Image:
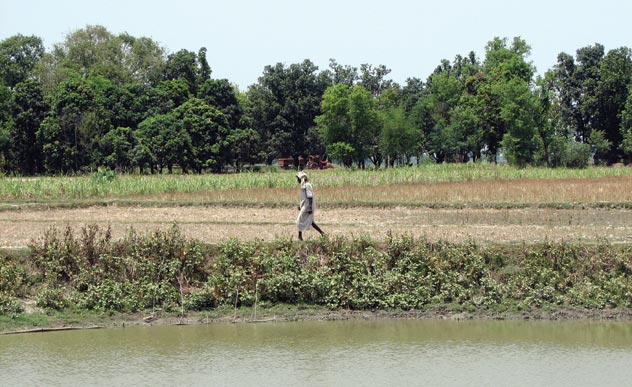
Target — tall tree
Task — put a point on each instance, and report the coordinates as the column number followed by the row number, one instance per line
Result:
column 207, row 129
column 220, row 94
column 117, row 147
column 576, row 86
column 79, row 118
column 182, row 65
column 28, row 110
column 505, row 90
column 5, row 123
column 626, row 128
column 342, row 74
column 374, row 78
column 614, row 81
column 163, row 141
column 18, row 57
column 283, row 106
column 94, row 51
column 399, row 139
column 350, row 123
column 204, row 70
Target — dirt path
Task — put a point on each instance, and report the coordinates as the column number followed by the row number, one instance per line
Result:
column 215, row 224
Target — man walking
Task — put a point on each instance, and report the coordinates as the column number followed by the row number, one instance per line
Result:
column 306, row 207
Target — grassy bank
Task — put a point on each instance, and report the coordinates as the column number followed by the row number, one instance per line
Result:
column 164, row 274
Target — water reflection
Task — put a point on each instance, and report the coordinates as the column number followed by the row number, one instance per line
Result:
column 354, row 353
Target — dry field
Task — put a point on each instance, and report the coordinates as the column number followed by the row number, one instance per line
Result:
column 493, row 192
column 493, row 211
column 214, row 224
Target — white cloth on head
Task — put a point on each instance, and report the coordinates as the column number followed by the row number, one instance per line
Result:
column 305, row 218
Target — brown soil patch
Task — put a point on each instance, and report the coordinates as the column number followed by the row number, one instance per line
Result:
column 216, row 224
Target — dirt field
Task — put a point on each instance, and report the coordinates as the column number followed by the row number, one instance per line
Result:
column 215, row 224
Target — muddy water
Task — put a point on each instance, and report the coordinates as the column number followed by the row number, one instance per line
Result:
column 349, row 353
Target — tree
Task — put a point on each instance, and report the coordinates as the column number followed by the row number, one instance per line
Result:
column 204, row 70
column 600, row 145
column 576, row 86
column 614, row 80
column 433, row 113
column 399, row 139
column 182, row 65
column 334, row 123
column 168, row 95
column 342, row 74
column 518, row 112
column 626, row 127
column 220, row 94
column 373, row 78
column 283, row 105
column 18, row 57
column 5, row 123
column 593, row 89
column 365, row 126
column 28, row 110
column 349, row 116
column 546, row 118
column 79, row 117
column 117, row 146
column 162, row 141
column 143, row 59
column 92, row 50
column 207, row 129
column 245, row 147
column 342, row 152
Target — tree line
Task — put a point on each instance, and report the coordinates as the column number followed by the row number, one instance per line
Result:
column 103, row 100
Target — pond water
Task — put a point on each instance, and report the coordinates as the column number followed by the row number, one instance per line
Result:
column 317, row 353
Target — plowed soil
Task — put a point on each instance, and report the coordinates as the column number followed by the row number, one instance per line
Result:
column 211, row 224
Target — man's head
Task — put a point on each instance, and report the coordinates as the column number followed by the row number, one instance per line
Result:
column 301, row 176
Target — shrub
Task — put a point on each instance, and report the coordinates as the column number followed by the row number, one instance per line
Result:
column 52, row 298
column 9, row 304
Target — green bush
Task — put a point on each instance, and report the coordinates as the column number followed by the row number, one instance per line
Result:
column 53, row 298
column 13, row 277
column 164, row 270
column 9, row 305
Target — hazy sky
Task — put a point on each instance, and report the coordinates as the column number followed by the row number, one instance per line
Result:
column 409, row 37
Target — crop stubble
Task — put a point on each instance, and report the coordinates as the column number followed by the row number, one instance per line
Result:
column 213, row 224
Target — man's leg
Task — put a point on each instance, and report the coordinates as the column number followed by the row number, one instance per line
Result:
column 317, row 228
column 300, row 235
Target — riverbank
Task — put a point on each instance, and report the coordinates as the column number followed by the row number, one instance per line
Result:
column 38, row 322
column 88, row 278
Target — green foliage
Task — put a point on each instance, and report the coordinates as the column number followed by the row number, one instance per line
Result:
column 104, row 176
column 600, row 144
column 53, row 298
column 94, row 272
column 14, row 283
column 9, row 305
column 14, row 278
column 342, row 152
column 101, row 99
column 18, row 57
column 349, row 116
column 164, row 270
column 283, row 106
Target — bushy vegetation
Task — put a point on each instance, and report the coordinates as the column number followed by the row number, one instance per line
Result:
column 162, row 270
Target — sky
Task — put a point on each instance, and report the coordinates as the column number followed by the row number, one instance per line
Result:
column 409, row 37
